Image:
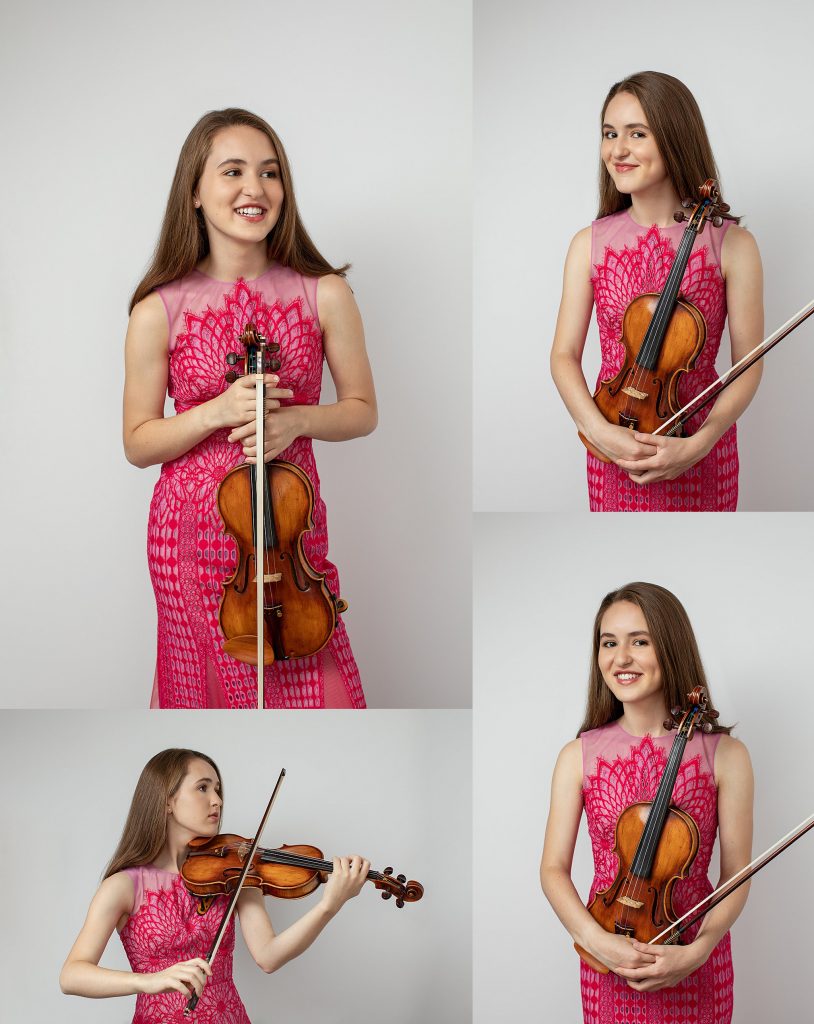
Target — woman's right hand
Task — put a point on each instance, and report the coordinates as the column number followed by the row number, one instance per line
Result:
column 187, row 977
column 619, row 443
column 236, row 406
column 616, row 951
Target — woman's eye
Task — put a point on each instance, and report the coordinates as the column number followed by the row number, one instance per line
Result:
column 609, row 643
column 638, row 135
column 270, row 174
column 231, row 172
column 610, row 135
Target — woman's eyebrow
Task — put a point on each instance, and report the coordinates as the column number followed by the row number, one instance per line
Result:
column 237, row 160
column 636, row 124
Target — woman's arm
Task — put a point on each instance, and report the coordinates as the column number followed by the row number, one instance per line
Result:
column 733, row 774
column 743, row 276
column 81, row 974
column 271, row 951
column 149, row 438
column 566, row 358
column 564, row 815
column 354, row 412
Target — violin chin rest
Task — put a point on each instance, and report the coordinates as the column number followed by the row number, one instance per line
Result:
column 244, row 648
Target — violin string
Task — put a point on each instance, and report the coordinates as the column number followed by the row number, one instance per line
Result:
column 269, row 507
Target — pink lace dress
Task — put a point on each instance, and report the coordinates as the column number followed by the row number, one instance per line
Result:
column 630, row 260
column 618, row 770
column 164, row 928
column 188, row 552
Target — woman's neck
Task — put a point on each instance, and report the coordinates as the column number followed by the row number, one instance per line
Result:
column 655, row 205
column 227, row 260
column 641, row 718
column 173, row 854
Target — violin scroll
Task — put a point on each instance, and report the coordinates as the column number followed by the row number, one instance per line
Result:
column 257, row 352
column 404, row 891
column 711, row 207
column 697, row 714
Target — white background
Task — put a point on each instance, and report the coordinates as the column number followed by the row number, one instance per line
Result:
column 373, row 103
column 542, row 71
column 745, row 581
column 395, row 787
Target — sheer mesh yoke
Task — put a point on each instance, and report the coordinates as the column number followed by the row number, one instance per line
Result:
column 188, row 552
column 629, row 260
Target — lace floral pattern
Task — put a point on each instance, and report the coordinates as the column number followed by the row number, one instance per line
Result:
column 166, row 929
column 188, row 552
column 621, row 770
column 638, row 262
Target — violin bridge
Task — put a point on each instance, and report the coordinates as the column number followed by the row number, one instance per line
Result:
column 628, row 901
column 271, row 577
column 633, row 393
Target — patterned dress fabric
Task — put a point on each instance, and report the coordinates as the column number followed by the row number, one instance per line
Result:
column 165, row 929
column 619, row 770
column 629, row 260
column 188, row 552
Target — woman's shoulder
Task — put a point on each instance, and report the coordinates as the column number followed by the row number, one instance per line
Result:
column 117, row 891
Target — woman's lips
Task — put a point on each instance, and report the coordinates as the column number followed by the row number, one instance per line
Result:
column 626, row 678
column 624, row 168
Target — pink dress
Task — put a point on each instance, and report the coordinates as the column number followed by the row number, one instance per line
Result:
column 188, row 552
column 619, row 770
column 628, row 261
column 165, row 928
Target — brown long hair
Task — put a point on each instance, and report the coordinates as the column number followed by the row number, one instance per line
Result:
column 183, row 241
column 679, row 132
column 145, row 830
column 673, row 641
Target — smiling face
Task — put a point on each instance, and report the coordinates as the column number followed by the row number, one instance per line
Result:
column 196, row 805
column 627, row 657
column 240, row 191
column 629, row 150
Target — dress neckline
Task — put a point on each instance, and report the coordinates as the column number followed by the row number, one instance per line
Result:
column 617, row 722
column 247, row 280
column 648, row 227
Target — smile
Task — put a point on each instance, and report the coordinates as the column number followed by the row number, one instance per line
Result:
column 251, row 212
column 627, row 677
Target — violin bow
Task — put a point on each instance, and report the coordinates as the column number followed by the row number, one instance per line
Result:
column 192, row 1002
column 260, row 514
column 710, row 393
column 673, row 932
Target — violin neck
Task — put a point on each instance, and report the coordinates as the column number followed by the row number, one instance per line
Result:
column 651, row 346
column 269, row 532
column 646, row 850
column 311, row 863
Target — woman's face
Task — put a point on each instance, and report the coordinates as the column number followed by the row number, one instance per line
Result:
column 240, row 191
column 196, row 805
column 627, row 657
column 629, row 150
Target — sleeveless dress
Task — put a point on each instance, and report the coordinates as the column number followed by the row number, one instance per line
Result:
column 630, row 260
column 188, row 552
column 165, row 928
column 618, row 770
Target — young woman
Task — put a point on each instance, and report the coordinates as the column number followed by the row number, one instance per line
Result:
column 179, row 797
column 655, row 153
column 233, row 251
column 645, row 661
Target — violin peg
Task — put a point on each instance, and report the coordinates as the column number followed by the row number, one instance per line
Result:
column 401, row 878
column 687, row 203
column 386, row 895
column 679, row 216
column 232, row 358
column 717, row 221
column 274, row 365
column 399, row 904
column 669, row 723
column 273, row 346
column 231, row 376
column 707, row 727
column 387, row 871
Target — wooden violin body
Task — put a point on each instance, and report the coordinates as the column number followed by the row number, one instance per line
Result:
column 213, row 868
column 299, row 609
column 643, row 397
column 642, row 907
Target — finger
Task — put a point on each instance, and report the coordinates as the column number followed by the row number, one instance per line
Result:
column 657, row 440
column 271, row 405
column 279, row 393
column 271, row 455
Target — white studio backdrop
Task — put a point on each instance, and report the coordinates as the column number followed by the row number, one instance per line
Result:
column 745, row 582
column 397, row 789
column 373, row 103
column 542, row 71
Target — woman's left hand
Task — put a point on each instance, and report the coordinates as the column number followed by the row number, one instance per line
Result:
column 282, row 427
column 674, row 456
column 673, row 964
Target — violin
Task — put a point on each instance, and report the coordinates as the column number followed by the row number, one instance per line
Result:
column 662, row 334
column 213, row 867
column 656, row 844
column 275, row 606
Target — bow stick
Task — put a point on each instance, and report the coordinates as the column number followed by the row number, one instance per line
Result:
column 192, row 1002
column 703, row 398
column 259, row 517
column 728, row 887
